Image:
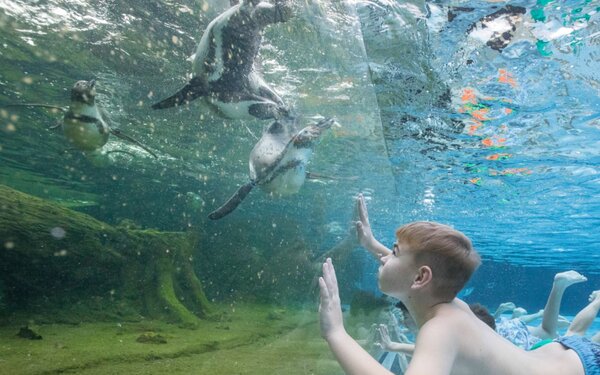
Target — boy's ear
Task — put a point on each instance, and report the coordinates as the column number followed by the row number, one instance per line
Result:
column 423, row 277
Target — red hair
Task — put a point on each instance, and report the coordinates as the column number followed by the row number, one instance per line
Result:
column 448, row 252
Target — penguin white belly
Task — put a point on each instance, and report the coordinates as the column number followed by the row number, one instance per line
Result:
column 291, row 173
column 84, row 135
column 235, row 110
column 288, row 182
column 490, row 30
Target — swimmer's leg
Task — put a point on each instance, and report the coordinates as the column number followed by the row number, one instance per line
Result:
column 585, row 317
column 528, row 318
column 562, row 280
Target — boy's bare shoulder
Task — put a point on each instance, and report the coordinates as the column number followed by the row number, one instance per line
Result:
column 448, row 320
column 443, row 323
column 438, row 338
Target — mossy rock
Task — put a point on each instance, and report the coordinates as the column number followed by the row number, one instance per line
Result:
column 65, row 265
column 151, row 338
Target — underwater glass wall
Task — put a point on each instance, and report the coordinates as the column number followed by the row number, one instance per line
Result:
column 173, row 173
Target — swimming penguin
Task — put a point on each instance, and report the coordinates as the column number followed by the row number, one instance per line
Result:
column 224, row 70
column 497, row 29
column 85, row 124
column 437, row 16
column 277, row 162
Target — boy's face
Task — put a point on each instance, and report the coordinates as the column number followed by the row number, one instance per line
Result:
column 397, row 271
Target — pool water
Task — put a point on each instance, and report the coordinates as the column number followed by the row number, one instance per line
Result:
column 482, row 115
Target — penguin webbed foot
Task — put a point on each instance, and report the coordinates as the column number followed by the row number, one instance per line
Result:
column 285, row 113
column 268, row 110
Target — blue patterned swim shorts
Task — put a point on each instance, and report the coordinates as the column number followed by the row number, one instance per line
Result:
column 515, row 331
column 587, row 350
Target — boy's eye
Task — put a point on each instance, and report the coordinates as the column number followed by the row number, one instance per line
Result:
column 395, row 249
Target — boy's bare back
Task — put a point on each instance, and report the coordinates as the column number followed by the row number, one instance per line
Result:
column 455, row 341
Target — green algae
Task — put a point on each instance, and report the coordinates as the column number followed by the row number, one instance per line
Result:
column 246, row 341
column 61, row 265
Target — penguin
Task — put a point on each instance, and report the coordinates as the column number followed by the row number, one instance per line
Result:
column 278, row 162
column 497, row 29
column 85, row 124
column 224, row 69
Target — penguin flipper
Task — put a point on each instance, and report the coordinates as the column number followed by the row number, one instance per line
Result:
column 232, row 202
column 105, row 116
column 49, row 106
column 120, row 134
column 192, row 90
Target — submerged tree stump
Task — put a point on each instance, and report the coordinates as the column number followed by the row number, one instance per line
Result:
column 54, row 260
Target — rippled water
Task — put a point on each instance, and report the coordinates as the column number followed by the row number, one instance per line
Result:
column 513, row 157
column 434, row 124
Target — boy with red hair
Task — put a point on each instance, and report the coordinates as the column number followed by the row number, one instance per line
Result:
column 428, row 265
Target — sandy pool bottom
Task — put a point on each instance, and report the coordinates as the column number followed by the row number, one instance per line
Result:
column 249, row 339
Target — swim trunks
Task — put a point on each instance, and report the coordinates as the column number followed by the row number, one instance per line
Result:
column 516, row 331
column 587, row 350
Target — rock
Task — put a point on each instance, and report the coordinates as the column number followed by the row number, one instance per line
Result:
column 276, row 314
column 151, row 338
column 27, row 333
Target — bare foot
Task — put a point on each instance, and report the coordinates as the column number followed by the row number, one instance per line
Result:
column 568, row 278
column 595, row 296
column 518, row 311
column 506, row 306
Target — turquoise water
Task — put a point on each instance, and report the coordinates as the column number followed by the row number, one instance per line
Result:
column 432, row 124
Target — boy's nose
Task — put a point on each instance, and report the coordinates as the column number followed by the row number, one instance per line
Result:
column 383, row 259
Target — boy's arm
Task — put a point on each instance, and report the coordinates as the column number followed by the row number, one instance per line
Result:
column 401, row 347
column 350, row 355
column 365, row 235
column 435, row 350
column 386, row 343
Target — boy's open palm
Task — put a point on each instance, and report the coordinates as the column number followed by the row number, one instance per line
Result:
column 363, row 227
column 330, row 309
